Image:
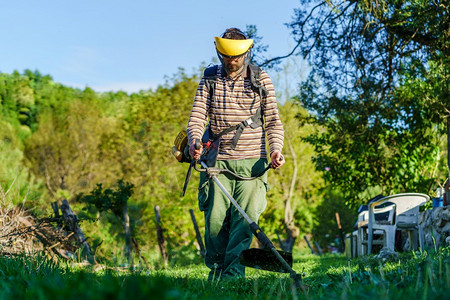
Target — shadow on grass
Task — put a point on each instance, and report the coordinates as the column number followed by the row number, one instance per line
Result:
column 25, row 277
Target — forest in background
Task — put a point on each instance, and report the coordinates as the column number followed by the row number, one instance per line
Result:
column 371, row 117
column 58, row 142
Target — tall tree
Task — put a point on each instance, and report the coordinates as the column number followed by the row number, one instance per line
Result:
column 66, row 148
column 379, row 86
column 295, row 190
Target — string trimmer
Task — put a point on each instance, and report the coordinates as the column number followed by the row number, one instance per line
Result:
column 269, row 258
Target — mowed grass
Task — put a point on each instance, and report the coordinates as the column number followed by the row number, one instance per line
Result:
column 419, row 275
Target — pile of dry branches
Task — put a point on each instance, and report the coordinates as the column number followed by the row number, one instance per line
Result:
column 22, row 233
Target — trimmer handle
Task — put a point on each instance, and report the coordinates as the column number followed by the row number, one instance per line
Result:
column 198, row 144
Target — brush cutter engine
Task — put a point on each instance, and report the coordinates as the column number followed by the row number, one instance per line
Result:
column 180, row 149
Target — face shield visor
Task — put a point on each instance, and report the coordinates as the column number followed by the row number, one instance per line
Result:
column 233, row 48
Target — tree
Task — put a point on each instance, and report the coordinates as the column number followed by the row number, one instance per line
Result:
column 295, row 189
column 152, row 120
column 17, row 102
column 65, row 150
column 427, row 24
column 364, row 57
column 115, row 201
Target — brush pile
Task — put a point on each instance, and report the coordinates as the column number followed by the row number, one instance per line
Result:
column 21, row 233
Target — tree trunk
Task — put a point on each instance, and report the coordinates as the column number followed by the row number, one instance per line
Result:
column 159, row 233
column 447, row 186
column 128, row 245
column 319, row 250
column 448, row 145
column 341, row 234
column 292, row 231
column 138, row 251
column 309, row 245
column 72, row 224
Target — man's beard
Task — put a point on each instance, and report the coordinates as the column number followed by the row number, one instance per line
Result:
column 233, row 67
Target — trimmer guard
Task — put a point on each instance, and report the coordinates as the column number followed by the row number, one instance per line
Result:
column 264, row 259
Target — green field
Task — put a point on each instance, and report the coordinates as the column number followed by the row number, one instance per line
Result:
column 413, row 275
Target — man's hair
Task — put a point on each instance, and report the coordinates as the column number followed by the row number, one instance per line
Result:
column 234, row 34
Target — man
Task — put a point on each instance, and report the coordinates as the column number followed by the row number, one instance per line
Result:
column 234, row 99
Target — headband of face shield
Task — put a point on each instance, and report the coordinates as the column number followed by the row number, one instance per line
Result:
column 233, row 48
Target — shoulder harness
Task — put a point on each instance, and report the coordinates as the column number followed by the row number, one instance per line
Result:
column 210, row 77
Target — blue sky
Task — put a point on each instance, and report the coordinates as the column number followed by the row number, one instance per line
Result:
column 129, row 45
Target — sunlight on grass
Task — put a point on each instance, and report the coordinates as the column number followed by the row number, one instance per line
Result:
column 422, row 275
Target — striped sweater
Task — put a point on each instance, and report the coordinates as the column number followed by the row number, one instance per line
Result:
column 234, row 102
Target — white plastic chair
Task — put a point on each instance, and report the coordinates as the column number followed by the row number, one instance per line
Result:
column 383, row 215
column 406, row 217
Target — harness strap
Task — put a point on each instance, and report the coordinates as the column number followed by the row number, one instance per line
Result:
column 255, row 121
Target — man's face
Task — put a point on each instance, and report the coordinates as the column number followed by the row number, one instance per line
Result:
column 233, row 64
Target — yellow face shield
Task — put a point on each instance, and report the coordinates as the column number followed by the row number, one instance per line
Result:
column 232, row 48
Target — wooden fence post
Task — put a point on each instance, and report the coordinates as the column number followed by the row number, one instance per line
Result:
column 72, row 224
column 319, row 250
column 159, row 233
column 57, row 215
column 197, row 234
column 341, row 235
column 309, row 245
column 128, row 245
column 138, row 250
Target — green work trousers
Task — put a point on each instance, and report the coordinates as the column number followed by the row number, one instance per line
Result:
column 227, row 233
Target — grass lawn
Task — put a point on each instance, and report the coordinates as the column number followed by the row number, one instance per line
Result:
column 412, row 276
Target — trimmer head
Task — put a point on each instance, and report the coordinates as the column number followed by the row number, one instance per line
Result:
column 265, row 259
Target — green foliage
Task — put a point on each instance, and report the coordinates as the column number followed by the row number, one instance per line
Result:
column 297, row 180
column 110, row 199
column 79, row 138
column 325, row 230
column 110, row 230
column 66, row 147
column 15, row 177
column 424, row 22
column 378, row 92
column 17, row 97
